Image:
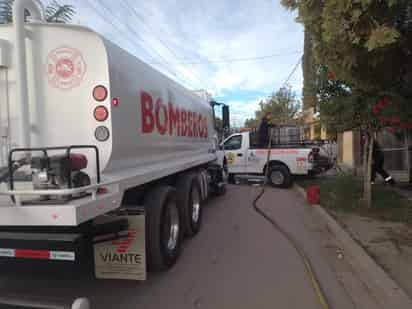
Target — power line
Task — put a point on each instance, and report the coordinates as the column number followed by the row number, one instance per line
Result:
column 293, row 72
column 109, row 20
column 230, row 60
column 149, row 29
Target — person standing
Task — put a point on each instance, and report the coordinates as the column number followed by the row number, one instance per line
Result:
column 378, row 160
column 264, row 130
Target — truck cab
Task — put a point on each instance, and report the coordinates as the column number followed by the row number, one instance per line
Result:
column 245, row 156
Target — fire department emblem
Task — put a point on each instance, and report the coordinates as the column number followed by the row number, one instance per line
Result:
column 65, row 68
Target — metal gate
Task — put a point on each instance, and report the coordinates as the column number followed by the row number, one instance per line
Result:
column 397, row 148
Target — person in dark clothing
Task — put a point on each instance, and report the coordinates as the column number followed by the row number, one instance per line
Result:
column 378, row 159
column 264, row 130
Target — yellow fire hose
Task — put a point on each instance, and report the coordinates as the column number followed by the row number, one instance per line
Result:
column 306, row 261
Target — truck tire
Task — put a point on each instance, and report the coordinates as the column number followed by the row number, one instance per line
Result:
column 189, row 200
column 163, row 228
column 280, row 177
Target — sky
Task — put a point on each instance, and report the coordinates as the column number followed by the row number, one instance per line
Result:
column 206, row 44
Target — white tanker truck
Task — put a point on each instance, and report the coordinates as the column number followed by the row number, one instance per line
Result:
column 92, row 141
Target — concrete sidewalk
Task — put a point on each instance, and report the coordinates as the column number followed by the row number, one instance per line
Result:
column 404, row 189
column 385, row 291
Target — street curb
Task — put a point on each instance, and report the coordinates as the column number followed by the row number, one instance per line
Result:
column 384, row 290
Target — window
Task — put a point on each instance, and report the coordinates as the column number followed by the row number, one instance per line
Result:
column 234, row 143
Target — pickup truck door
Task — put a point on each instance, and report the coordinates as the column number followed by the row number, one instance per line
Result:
column 235, row 154
column 256, row 160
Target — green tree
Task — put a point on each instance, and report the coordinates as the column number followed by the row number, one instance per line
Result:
column 283, row 105
column 55, row 12
column 251, row 123
column 308, row 67
column 362, row 48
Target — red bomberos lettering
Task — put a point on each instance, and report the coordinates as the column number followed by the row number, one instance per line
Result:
column 169, row 119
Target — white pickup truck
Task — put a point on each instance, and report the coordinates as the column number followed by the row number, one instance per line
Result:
column 244, row 156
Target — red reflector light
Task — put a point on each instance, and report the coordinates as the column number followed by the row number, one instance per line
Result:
column 100, row 93
column 115, row 102
column 78, row 161
column 101, row 113
column 32, row 254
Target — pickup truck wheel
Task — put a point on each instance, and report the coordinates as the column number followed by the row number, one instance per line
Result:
column 189, row 201
column 163, row 228
column 279, row 176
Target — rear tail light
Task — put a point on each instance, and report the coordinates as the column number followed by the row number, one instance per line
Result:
column 100, row 93
column 102, row 134
column 101, row 113
column 78, row 161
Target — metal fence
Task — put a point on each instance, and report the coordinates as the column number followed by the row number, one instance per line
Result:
column 397, row 150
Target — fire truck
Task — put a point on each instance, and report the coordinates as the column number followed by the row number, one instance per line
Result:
column 102, row 157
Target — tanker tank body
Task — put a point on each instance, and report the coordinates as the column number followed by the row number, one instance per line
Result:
column 90, row 132
column 157, row 125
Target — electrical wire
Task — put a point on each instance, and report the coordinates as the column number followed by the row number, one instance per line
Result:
column 149, row 29
column 231, row 60
column 94, row 8
column 293, row 71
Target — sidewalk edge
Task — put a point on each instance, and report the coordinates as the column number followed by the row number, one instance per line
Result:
column 385, row 290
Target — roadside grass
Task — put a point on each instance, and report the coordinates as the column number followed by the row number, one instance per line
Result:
column 343, row 193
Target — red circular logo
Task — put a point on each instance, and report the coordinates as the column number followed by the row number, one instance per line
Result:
column 65, row 68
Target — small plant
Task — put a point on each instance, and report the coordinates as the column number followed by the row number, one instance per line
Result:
column 55, row 12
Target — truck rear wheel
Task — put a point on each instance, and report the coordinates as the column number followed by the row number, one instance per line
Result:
column 280, row 177
column 189, row 201
column 163, row 228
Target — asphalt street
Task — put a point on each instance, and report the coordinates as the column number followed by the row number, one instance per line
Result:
column 238, row 260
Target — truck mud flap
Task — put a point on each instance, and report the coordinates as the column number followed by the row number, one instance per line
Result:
column 121, row 255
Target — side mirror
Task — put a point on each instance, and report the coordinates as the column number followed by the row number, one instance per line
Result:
column 226, row 117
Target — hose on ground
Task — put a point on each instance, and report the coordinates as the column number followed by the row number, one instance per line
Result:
column 305, row 259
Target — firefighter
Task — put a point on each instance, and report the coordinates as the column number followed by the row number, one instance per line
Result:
column 378, row 159
column 264, row 130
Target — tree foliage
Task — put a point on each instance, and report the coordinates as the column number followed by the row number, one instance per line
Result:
column 365, row 43
column 362, row 51
column 251, row 123
column 283, row 105
column 55, row 12
column 308, row 69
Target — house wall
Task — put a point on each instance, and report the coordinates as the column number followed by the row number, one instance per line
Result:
column 347, row 149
